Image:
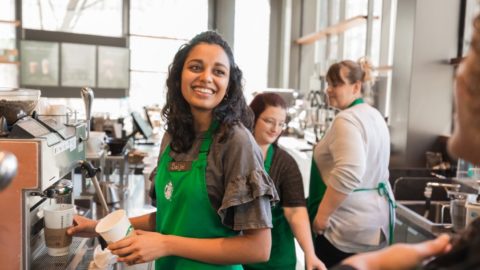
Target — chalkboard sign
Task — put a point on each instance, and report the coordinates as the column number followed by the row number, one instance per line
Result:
column 39, row 63
column 113, row 67
column 78, row 65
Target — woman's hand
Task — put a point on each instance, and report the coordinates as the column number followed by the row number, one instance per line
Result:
column 314, row 263
column 83, row 227
column 320, row 224
column 142, row 247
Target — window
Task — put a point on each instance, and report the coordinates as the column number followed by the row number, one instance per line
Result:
column 251, row 47
column 8, row 71
column 153, row 54
column 94, row 17
column 158, row 29
column 179, row 19
column 356, row 38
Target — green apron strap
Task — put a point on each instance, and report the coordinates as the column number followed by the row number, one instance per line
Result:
column 383, row 191
column 316, row 191
column 268, row 159
column 184, row 208
column 282, row 254
column 356, row 102
column 207, row 141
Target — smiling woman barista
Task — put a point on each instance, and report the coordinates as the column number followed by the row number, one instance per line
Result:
column 213, row 195
column 350, row 199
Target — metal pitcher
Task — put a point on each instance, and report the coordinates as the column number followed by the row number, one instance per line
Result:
column 457, row 209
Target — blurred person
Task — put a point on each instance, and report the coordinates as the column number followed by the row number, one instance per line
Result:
column 290, row 217
column 464, row 143
column 213, row 195
column 350, row 200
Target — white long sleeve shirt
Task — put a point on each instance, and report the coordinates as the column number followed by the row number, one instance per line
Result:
column 355, row 154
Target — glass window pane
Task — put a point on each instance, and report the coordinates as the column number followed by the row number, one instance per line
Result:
column 147, row 88
column 335, row 9
column 376, row 33
column 39, row 63
column 355, row 39
column 153, row 54
column 78, row 65
column 251, row 47
column 7, row 36
column 333, row 40
column 113, row 67
column 8, row 75
column 355, row 8
column 7, row 10
column 8, row 72
column 95, row 17
column 168, row 18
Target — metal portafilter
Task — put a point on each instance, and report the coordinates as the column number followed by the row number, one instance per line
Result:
column 8, row 168
column 91, row 172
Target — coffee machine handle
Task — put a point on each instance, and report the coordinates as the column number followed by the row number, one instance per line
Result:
column 87, row 96
column 91, row 172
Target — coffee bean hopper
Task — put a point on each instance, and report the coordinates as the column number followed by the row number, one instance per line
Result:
column 47, row 153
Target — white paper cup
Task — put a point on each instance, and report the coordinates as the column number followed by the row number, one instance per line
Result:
column 58, row 217
column 114, row 226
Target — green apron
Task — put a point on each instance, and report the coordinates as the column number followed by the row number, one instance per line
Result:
column 317, row 191
column 184, row 208
column 282, row 254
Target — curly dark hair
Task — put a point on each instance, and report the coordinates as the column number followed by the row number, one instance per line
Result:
column 231, row 111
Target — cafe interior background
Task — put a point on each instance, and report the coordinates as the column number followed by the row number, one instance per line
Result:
column 121, row 49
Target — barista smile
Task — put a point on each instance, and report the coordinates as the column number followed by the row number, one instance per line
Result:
column 203, row 90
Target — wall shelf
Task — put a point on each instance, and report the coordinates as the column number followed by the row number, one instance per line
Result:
column 333, row 29
column 455, row 61
column 10, row 62
column 16, row 22
column 381, row 69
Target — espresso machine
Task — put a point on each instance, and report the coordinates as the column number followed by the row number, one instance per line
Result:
column 47, row 153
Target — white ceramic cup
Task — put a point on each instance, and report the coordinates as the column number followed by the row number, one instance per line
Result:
column 114, row 226
column 58, row 218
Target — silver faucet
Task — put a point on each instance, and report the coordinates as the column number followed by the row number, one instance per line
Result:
column 446, row 186
column 428, row 193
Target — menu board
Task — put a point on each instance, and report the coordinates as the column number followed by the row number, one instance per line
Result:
column 39, row 63
column 113, row 67
column 78, row 65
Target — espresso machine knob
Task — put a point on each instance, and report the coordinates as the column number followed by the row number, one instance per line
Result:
column 8, row 168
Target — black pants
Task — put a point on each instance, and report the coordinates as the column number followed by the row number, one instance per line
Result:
column 328, row 253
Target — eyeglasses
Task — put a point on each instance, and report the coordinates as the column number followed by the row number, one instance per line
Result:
column 273, row 123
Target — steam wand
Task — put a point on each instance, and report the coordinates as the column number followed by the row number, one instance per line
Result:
column 91, row 172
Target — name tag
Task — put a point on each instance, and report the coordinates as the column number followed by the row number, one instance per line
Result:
column 179, row 166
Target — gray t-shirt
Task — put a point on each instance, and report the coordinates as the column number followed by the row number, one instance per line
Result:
column 238, row 187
